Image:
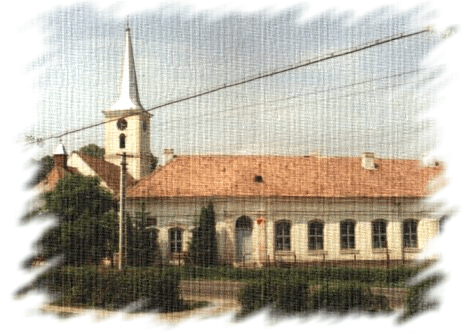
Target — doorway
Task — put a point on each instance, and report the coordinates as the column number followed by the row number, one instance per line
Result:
column 243, row 238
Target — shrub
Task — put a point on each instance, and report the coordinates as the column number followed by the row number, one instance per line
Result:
column 347, row 297
column 111, row 289
column 417, row 301
column 292, row 295
column 282, row 295
column 255, row 296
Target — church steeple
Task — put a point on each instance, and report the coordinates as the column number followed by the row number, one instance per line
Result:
column 129, row 98
column 127, row 124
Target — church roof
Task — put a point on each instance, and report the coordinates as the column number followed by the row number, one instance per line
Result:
column 107, row 172
column 57, row 172
column 285, row 176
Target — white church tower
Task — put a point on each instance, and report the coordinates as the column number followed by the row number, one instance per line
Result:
column 127, row 127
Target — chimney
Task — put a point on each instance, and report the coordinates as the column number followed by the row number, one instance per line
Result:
column 168, row 155
column 368, row 161
column 60, row 156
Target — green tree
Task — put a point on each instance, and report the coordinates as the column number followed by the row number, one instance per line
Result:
column 203, row 249
column 93, row 150
column 154, row 162
column 45, row 164
column 86, row 229
column 142, row 246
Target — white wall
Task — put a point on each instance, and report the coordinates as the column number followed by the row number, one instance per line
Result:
column 172, row 212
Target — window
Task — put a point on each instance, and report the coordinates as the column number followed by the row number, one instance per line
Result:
column 315, row 235
column 410, row 237
column 282, row 236
column 175, row 239
column 348, row 234
column 122, row 141
column 379, row 234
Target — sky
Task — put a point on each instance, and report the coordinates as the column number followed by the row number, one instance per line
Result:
column 372, row 100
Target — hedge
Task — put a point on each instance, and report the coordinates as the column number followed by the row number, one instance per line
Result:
column 293, row 296
column 381, row 276
column 417, row 298
column 347, row 297
column 111, row 289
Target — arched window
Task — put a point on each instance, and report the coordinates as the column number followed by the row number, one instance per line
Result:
column 410, row 233
column 175, row 240
column 122, row 140
column 379, row 234
column 348, row 234
column 282, row 236
column 315, row 235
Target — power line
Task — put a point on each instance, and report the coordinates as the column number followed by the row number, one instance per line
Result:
column 315, row 93
column 332, row 55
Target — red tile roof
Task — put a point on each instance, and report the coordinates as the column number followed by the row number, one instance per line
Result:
column 52, row 178
column 108, row 172
column 285, row 176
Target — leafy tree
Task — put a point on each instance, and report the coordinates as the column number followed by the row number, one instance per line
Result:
column 86, row 230
column 142, row 248
column 46, row 163
column 93, row 150
column 154, row 162
column 203, row 249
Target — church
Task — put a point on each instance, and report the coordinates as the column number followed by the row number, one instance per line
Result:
column 269, row 209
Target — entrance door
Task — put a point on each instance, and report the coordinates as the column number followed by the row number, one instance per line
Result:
column 243, row 235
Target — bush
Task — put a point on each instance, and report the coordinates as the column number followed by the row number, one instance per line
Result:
column 292, row 296
column 255, row 296
column 347, row 297
column 109, row 289
column 417, row 301
column 282, row 295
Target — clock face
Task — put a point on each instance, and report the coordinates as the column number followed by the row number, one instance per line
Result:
column 121, row 124
column 144, row 125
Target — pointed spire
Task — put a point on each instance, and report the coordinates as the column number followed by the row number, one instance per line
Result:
column 129, row 99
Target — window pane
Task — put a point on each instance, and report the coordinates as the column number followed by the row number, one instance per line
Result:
column 347, row 230
column 282, row 236
column 410, row 237
column 379, row 234
column 315, row 236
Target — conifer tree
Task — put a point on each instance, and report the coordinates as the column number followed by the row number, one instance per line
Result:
column 203, row 249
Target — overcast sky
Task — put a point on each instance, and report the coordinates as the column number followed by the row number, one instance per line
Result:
column 368, row 101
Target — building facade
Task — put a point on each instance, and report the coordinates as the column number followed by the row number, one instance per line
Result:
column 299, row 209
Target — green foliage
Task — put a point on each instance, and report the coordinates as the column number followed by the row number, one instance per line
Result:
column 394, row 277
column 347, row 297
column 287, row 296
column 45, row 165
column 86, row 228
column 111, row 289
column 281, row 295
column 203, row 249
column 154, row 162
column 142, row 246
column 255, row 296
column 292, row 295
column 93, row 150
column 417, row 300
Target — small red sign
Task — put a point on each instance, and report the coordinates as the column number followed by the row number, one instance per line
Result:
column 260, row 220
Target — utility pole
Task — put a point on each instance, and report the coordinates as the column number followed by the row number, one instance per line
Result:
column 122, row 254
